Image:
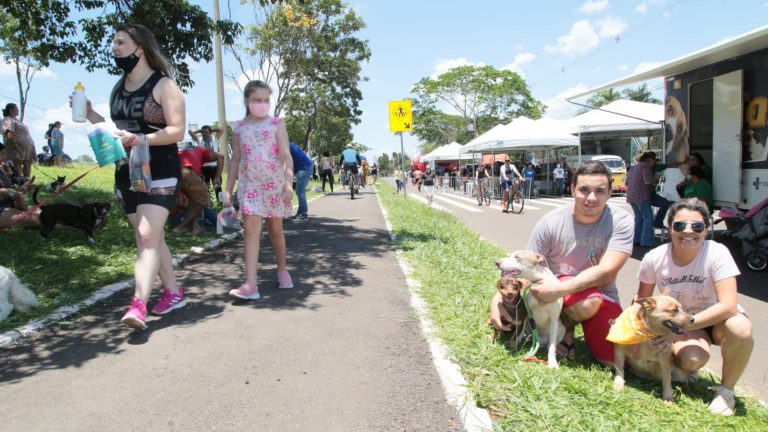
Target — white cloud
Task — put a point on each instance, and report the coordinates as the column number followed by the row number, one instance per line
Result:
column 581, row 39
column 520, row 60
column 444, row 66
column 622, row 68
column 9, row 69
column 610, row 27
column 593, row 6
column 644, row 66
column 558, row 107
column 642, row 8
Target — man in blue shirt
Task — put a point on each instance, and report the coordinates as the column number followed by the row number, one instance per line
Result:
column 350, row 159
column 529, row 173
column 302, row 171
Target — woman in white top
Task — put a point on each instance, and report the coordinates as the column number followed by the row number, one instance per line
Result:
column 701, row 275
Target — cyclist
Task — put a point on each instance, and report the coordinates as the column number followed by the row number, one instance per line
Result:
column 506, row 179
column 350, row 159
column 481, row 174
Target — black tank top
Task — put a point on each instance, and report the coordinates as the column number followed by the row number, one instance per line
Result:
column 138, row 112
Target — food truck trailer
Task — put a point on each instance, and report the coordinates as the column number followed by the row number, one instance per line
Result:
column 716, row 104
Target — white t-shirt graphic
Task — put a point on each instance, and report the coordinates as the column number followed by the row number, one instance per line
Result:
column 694, row 284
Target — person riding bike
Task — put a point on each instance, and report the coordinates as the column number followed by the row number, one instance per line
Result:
column 350, row 159
column 481, row 174
column 506, row 179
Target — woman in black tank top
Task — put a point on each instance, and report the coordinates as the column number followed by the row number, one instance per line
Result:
column 148, row 108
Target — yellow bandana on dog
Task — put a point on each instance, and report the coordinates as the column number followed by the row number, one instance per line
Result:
column 625, row 331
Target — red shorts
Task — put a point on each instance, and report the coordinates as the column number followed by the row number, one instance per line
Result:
column 596, row 328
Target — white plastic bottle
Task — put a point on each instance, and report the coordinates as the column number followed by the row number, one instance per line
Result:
column 79, row 104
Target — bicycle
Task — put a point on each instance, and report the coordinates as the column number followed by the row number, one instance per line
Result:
column 352, row 185
column 485, row 195
column 515, row 199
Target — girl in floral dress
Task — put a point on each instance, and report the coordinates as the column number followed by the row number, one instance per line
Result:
column 262, row 163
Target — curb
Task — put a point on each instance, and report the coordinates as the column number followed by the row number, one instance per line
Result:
column 473, row 418
column 59, row 314
column 35, row 326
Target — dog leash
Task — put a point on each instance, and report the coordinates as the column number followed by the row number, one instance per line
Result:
column 43, row 172
column 534, row 333
column 61, row 190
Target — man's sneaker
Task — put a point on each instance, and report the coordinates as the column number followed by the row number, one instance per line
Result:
column 284, row 279
column 723, row 403
column 170, row 301
column 136, row 315
column 246, row 292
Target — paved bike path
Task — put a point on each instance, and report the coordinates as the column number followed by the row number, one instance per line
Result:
column 341, row 351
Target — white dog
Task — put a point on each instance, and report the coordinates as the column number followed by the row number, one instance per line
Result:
column 533, row 266
column 14, row 294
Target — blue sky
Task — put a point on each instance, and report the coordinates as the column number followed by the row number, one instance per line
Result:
column 559, row 47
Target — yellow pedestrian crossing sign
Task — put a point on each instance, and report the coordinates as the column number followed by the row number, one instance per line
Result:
column 400, row 116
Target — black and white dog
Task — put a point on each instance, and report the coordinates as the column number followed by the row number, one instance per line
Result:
column 87, row 217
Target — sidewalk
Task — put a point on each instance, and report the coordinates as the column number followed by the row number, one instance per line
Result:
column 340, row 352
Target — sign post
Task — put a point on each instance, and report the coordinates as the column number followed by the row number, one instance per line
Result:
column 401, row 120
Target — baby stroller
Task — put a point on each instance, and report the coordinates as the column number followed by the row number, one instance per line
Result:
column 752, row 229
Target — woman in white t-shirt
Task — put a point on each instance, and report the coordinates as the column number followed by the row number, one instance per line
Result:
column 701, row 275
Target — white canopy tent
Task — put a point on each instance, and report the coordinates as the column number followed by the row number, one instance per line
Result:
column 491, row 135
column 620, row 117
column 448, row 152
column 526, row 134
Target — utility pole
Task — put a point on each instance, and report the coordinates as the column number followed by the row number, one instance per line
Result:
column 224, row 140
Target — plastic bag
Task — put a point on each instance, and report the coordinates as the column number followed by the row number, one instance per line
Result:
column 226, row 220
column 138, row 168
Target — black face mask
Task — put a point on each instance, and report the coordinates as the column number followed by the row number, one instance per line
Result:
column 126, row 64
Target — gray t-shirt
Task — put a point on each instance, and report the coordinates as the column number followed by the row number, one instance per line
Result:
column 571, row 247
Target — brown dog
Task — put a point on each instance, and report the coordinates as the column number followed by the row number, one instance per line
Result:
column 511, row 290
column 632, row 335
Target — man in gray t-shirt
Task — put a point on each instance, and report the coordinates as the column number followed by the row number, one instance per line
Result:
column 586, row 244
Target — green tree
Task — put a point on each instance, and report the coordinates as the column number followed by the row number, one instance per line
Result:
column 385, row 164
column 640, row 94
column 85, row 159
column 603, row 97
column 28, row 40
column 399, row 158
column 80, row 31
column 435, row 128
column 310, row 52
column 481, row 95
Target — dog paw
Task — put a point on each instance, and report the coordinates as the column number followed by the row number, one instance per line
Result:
column 618, row 383
column 552, row 364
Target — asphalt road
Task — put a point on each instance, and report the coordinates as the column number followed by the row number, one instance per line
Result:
column 343, row 351
column 510, row 231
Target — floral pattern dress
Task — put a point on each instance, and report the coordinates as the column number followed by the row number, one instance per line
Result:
column 260, row 176
column 24, row 147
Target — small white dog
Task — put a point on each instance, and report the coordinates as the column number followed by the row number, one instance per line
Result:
column 534, row 267
column 14, row 294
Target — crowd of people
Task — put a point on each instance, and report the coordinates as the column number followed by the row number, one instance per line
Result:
column 586, row 242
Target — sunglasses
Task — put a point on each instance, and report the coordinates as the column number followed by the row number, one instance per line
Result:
column 697, row 227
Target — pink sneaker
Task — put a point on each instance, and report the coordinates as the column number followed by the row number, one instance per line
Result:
column 246, row 292
column 170, row 301
column 284, row 279
column 136, row 314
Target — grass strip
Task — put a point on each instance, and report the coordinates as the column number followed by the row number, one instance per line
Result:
column 66, row 269
column 457, row 274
